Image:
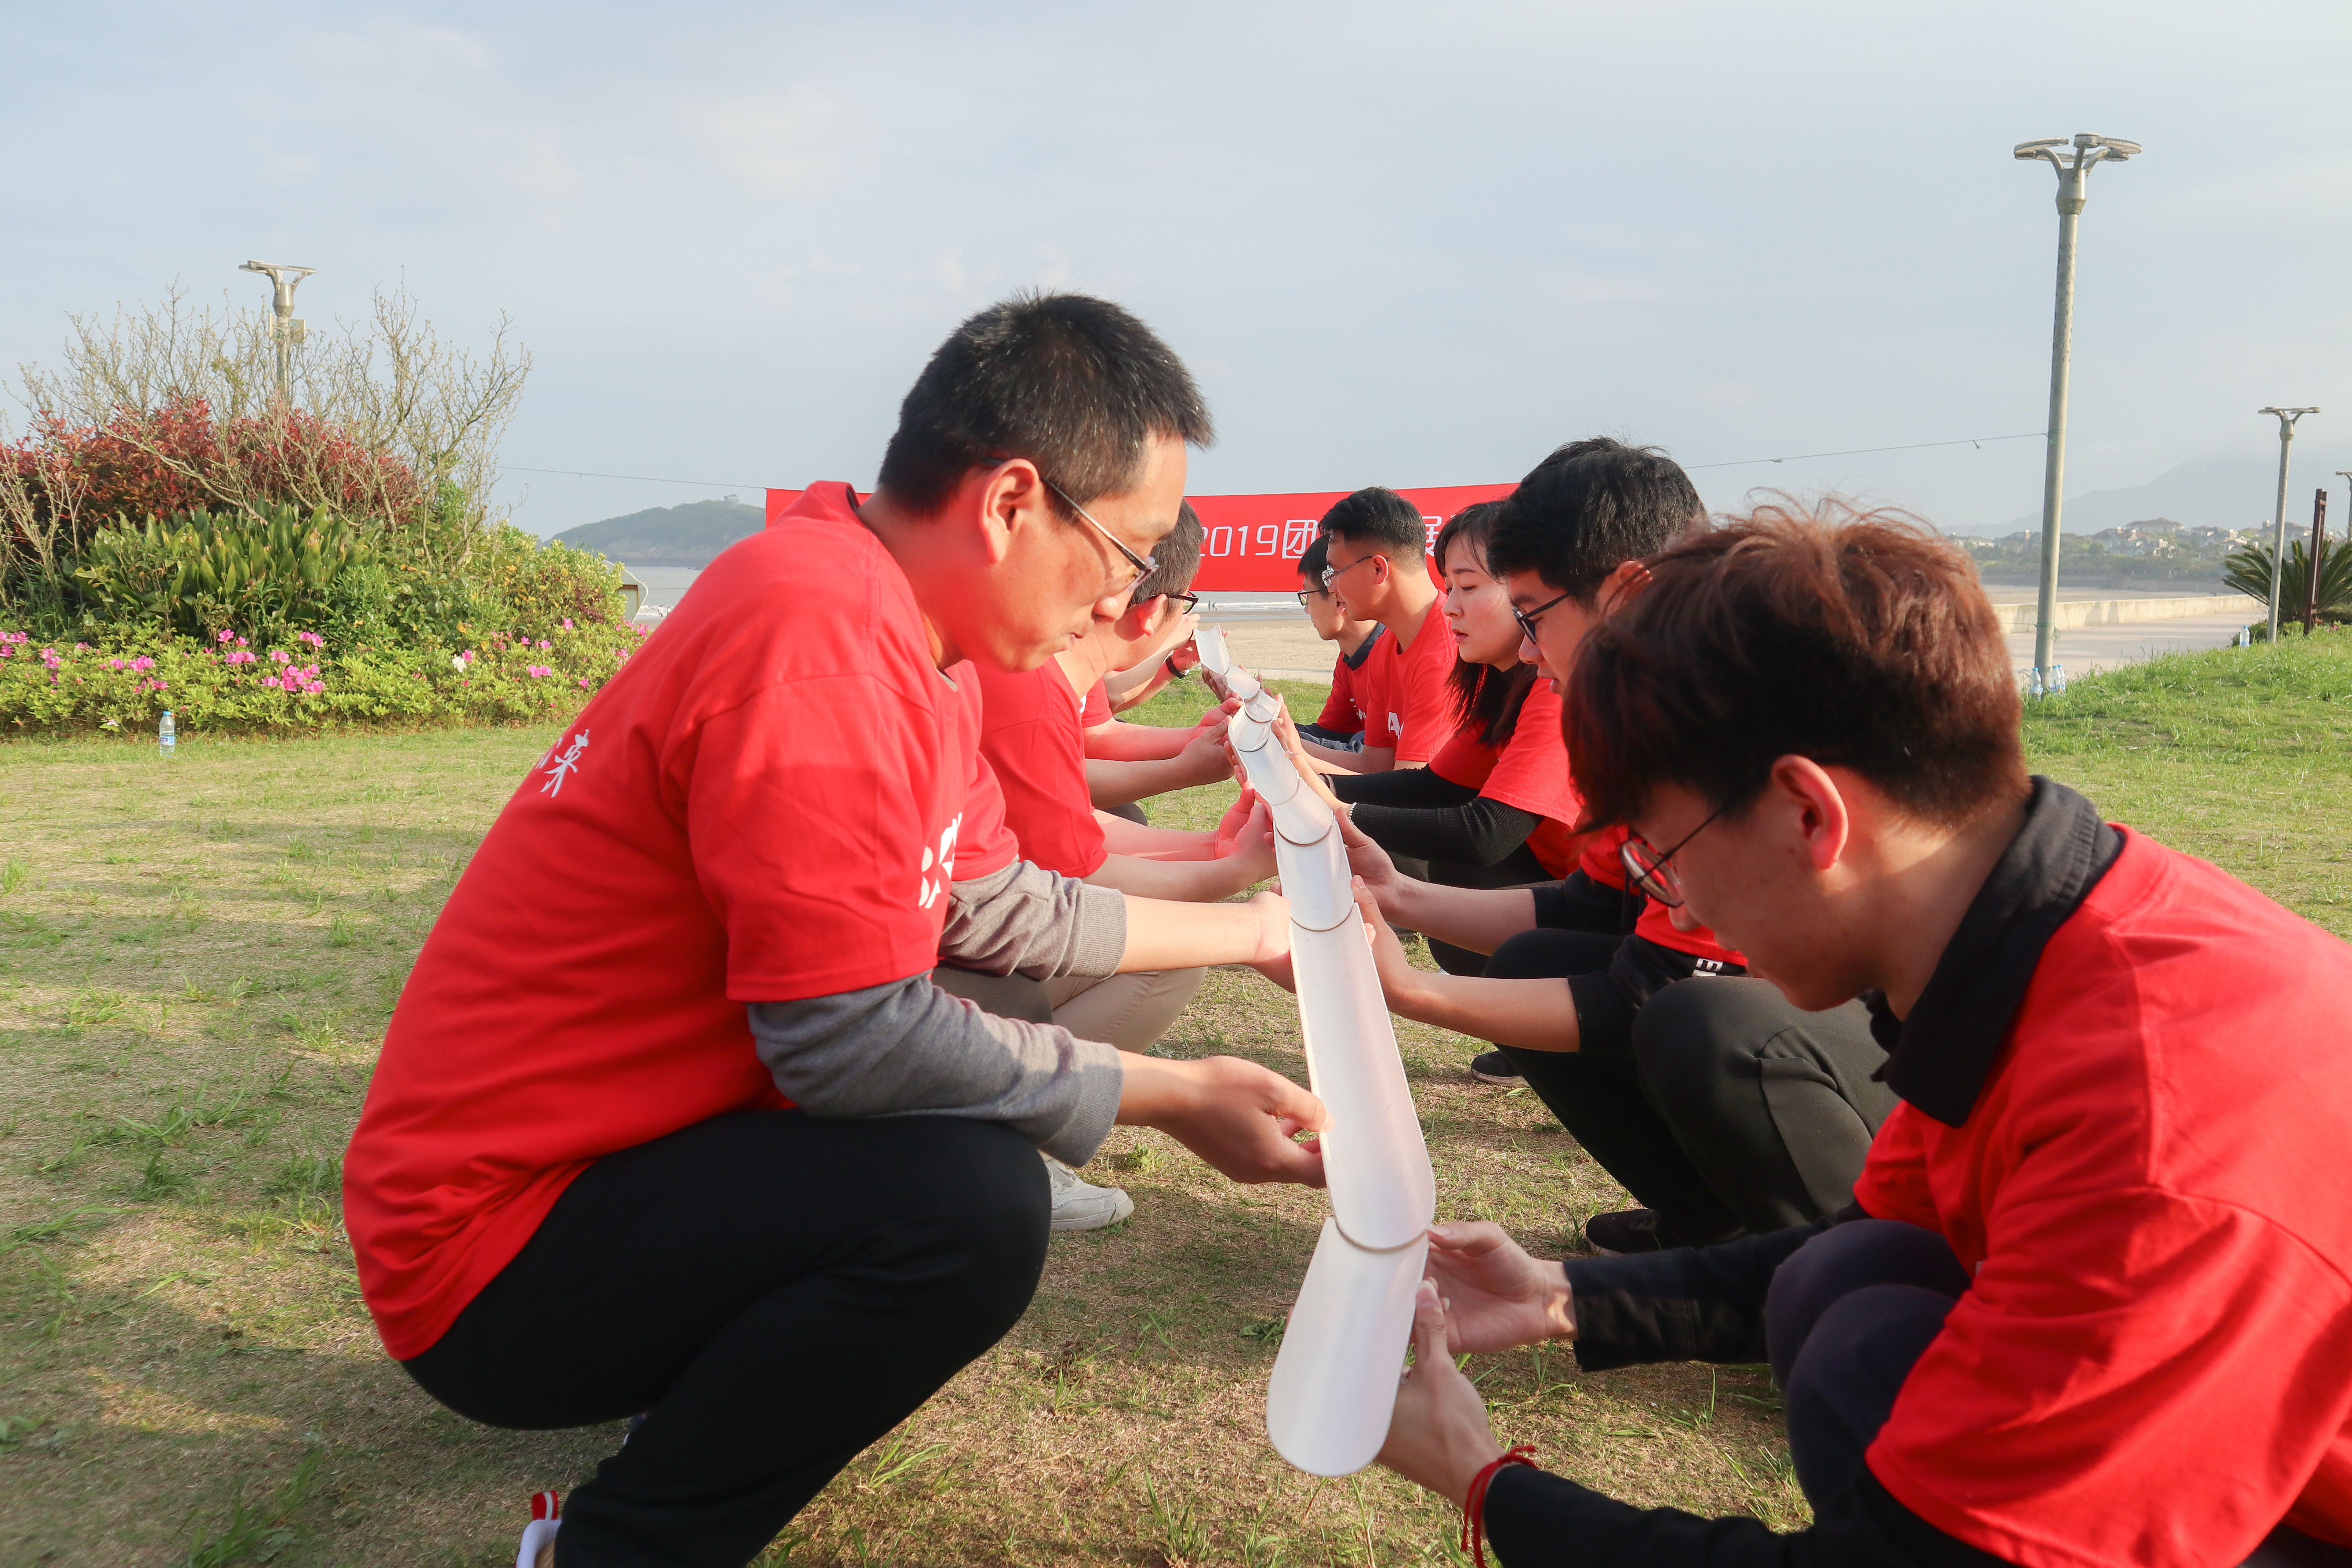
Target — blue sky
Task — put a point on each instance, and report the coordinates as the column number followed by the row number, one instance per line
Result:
column 1405, row 244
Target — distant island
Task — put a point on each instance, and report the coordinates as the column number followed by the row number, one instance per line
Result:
column 688, row 535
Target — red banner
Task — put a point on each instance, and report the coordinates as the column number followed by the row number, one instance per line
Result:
column 1252, row 543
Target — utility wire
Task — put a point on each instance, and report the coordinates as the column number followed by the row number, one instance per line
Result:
column 1738, row 463
column 1859, row 451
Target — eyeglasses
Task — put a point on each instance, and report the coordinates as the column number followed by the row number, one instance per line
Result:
column 1333, row 573
column 1306, row 595
column 1527, row 618
column 1185, row 603
column 1144, row 564
column 1647, row 869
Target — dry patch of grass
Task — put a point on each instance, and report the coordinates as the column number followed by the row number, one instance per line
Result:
column 197, row 962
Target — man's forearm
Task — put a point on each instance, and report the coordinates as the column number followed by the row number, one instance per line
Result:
column 1113, row 783
column 1363, row 760
column 1534, row 1014
column 1191, row 881
column 1165, row 935
column 1121, row 837
column 1479, row 919
column 1118, row 742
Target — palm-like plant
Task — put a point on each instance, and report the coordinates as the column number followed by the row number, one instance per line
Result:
column 2247, row 570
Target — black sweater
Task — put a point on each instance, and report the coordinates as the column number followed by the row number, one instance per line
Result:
column 1412, row 811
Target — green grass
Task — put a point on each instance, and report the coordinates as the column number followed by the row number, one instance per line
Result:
column 197, row 962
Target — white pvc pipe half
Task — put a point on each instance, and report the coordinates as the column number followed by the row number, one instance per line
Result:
column 1334, row 1386
column 1335, row 1379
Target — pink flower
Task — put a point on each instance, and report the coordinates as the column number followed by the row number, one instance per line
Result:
column 7, row 650
column 282, row 656
column 544, row 642
column 567, row 627
column 240, row 642
column 314, row 687
column 583, row 683
column 223, row 637
column 313, row 638
column 539, row 671
column 270, row 681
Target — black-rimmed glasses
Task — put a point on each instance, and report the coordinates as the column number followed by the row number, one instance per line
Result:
column 1527, row 618
column 1185, row 603
column 1143, row 564
column 1333, row 573
column 1647, row 869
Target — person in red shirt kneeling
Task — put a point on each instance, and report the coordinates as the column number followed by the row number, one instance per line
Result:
column 1340, row 725
column 670, row 1119
column 1717, row 1105
column 1376, row 567
column 2092, row 1303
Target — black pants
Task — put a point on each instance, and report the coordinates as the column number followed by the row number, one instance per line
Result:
column 1711, row 1100
column 1133, row 812
column 774, row 1291
column 1848, row 1316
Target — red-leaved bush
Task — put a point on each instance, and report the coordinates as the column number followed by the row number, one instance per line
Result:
column 180, row 457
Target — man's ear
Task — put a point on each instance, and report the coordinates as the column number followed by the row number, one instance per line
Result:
column 1141, row 622
column 1618, row 588
column 1012, row 501
column 1824, row 821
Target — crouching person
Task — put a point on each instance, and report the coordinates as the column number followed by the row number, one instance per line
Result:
column 670, row 1119
column 2092, row 1301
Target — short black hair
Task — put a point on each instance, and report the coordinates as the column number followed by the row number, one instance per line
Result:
column 1590, row 508
column 1176, row 560
column 1076, row 385
column 1317, row 556
column 1381, row 516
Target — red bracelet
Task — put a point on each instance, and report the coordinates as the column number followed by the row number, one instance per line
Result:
column 1474, row 1502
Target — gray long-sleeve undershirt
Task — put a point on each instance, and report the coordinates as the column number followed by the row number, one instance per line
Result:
column 907, row 1049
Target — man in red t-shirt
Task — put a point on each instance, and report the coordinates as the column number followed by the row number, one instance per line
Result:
column 1340, row 725
column 1717, row 1105
column 670, row 1119
column 2092, row 1304
column 1376, row 565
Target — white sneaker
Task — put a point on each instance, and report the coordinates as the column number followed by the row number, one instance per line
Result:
column 538, row 1548
column 1078, row 1206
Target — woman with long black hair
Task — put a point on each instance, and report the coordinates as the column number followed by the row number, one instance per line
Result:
column 1494, row 806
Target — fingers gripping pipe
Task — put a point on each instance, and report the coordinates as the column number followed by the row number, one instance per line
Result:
column 1334, row 1384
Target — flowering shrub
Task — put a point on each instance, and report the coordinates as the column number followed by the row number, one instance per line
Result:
column 221, row 683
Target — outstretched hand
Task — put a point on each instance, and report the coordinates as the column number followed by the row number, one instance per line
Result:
column 1439, row 1437
column 1499, row 1295
column 1238, row 1116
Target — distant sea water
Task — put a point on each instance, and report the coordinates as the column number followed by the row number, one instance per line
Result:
column 665, row 586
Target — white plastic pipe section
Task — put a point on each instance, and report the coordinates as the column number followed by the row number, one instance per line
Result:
column 1334, row 1384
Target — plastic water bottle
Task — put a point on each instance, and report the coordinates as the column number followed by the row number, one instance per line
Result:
column 164, row 735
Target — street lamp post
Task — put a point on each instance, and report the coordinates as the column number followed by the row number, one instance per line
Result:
column 283, row 327
column 2073, row 179
column 2286, row 419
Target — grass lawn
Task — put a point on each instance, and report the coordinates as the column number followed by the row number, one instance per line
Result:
column 196, row 960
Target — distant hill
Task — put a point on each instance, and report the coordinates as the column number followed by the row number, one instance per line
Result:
column 2205, row 492
column 688, row 535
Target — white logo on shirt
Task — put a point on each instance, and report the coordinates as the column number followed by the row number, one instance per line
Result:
column 1396, row 725
column 928, row 890
column 566, row 764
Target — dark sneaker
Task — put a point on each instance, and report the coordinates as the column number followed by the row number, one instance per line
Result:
column 1494, row 1067
column 1627, row 1230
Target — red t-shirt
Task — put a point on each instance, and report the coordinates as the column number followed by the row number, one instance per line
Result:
column 779, row 787
column 1344, row 710
column 1031, row 734
column 1096, row 709
column 1530, row 770
column 2152, row 1360
column 1412, row 710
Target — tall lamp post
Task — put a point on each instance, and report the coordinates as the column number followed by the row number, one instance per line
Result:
column 283, row 327
column 2286, row 419
column 2073, row 179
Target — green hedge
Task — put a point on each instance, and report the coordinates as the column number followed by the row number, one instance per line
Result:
column 222, row 683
